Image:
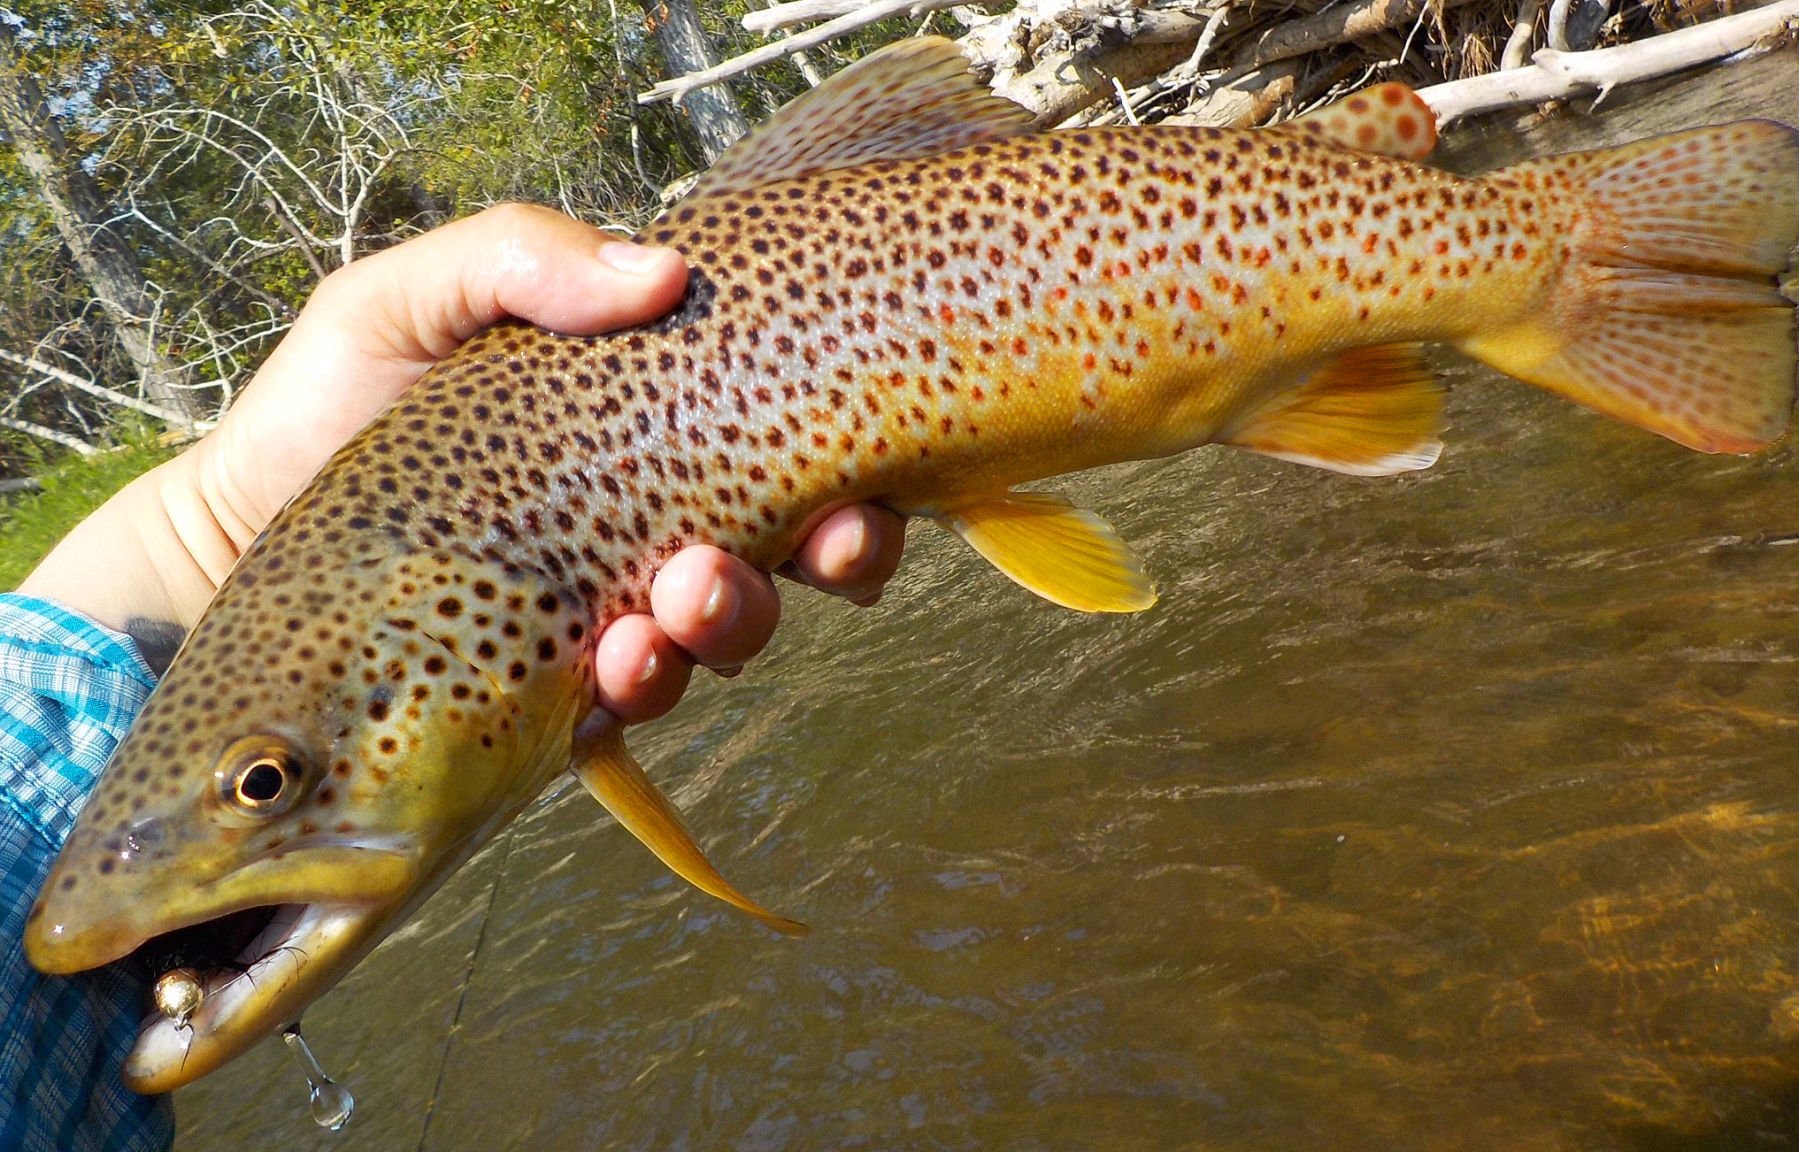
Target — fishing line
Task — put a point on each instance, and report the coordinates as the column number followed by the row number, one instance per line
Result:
column 468, row 977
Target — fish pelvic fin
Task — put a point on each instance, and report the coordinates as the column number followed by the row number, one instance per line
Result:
column 1669, row 315
column 1065, row 554
column 612, row 776
column 1372, row 411
column 1388, row 119
column 911, row 99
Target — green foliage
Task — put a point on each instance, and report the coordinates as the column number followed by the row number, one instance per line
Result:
column 242, row 150
column 32, row 522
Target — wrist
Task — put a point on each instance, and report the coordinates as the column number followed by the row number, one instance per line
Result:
column 153, row 553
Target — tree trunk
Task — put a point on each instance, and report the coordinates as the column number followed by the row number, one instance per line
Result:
column 685, row 49
column 104, row 260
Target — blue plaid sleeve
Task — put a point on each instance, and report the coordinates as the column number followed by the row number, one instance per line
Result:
column 69, row 690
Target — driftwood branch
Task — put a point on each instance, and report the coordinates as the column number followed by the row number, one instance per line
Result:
column 1060, row 57
column 1333, row 26
column 1524, row 32
column 1061, row 85
column 1558, row 75
column 861, row 16
column 807, row 11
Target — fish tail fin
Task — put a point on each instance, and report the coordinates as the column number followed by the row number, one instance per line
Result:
column 1668, row 313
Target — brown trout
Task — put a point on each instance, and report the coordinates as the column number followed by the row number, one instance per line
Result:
column 901, row 293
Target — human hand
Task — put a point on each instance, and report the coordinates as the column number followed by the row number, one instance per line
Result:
column 369, row 331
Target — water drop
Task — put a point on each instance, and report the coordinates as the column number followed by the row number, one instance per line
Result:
column 331, row 1101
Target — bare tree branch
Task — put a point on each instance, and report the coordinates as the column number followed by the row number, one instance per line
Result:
column 73, row 443
column 713, row 111
column 107, row 263
column 1337, row 25
column 61, row 376
column 802, row 60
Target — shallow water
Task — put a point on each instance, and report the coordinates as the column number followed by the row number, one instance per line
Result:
column 1454, row 811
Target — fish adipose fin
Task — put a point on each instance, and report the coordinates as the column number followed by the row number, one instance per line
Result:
column 1668, row 315
column 1388, row 119
column 916, row 98
column 612, row 775
column 1065, row 554
column 1369, row 412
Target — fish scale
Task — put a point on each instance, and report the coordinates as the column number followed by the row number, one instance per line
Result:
column 856, row 337
column 899, row 293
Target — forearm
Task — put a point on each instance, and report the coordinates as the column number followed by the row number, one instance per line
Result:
column 146, row 562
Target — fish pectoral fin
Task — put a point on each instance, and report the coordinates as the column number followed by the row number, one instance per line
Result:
column 612, row 775
column 911, row 99
column 1369, row 411
column 1065, row 554
column 1388, row 119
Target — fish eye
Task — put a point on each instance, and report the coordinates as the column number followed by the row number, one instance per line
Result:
column 261, row 776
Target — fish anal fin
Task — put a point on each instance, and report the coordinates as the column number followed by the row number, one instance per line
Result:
column 612, row 776
column 1388, row 119
column 914, row 98
column 1371, row 411
column 1065, row 554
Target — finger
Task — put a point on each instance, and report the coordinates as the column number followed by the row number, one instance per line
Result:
column 853, row 552
column 721, row 610
column 374, row 326
column 510, row 260
column 640, row 672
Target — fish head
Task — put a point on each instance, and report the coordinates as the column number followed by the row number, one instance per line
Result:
column 323, row 752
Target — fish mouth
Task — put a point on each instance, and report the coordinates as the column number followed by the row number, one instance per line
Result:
column 257, row 970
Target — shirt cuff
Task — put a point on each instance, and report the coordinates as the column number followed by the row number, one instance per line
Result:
column 69, row 691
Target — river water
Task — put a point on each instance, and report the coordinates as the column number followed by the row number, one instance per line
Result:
column 1456, row 811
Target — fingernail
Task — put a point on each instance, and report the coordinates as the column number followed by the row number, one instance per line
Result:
column 721, row 605
column 727, row 673
column 857, row 547
column 648, row 671
column 626, row 257
column 864, row 599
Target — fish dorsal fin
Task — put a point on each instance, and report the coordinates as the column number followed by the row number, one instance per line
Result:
column 612, row 775
column 1388, row 119
column 911, row 99
column 1065, row 554
column 1368, row 412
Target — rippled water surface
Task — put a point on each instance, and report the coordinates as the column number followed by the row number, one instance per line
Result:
column 1455, row 811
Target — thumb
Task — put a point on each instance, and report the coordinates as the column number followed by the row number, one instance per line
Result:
column 375, row 325
column 429, row 295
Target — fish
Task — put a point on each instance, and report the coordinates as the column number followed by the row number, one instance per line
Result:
column 902, row 291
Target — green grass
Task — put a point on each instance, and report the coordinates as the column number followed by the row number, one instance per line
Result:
column 32, row 522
